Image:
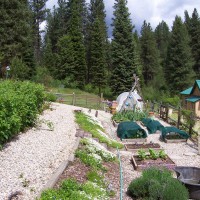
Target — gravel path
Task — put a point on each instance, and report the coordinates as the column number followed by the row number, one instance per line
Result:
column 27, row 163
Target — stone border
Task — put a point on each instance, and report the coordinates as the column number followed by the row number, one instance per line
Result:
column 54, row 178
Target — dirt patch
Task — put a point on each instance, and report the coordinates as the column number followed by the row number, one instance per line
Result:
column 142, row 146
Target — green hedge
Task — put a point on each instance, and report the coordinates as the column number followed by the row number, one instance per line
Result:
column 20, row 102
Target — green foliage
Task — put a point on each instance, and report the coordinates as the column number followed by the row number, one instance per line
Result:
column 152, row 154
column 188, row 116
column 51, row 97
column 174, row 101
column 142, row 154
column 122, row 50
column 70, row 189
column 19, row 69
column 150, row 57
column 157, row 184
column 88, row 159
column 84, row 122
column 129, row 116
column 43, row 76
column 94, row 177
column 179, row 59
column 20, row 102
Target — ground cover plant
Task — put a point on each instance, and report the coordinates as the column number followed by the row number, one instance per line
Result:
column 90, row 125
column 157, row 184
column 95, row 187
column 129, row 115
column 20, row 102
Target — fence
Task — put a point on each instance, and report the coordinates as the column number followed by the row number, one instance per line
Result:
column 81, row 100
column 174, row 116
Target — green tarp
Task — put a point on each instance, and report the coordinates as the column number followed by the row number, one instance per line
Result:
column 173, row 130
column 152, row 125
column 128, row 130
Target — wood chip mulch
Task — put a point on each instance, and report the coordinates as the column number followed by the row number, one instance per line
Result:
column 78, row 171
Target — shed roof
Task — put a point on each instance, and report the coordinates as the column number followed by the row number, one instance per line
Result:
column 187, row 91
column 193, row 99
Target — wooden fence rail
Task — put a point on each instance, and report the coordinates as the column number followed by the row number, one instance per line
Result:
column 173, row 115
column 81, row 100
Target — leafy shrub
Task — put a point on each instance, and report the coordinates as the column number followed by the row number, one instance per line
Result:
column 129, row 116
column 174, row 101
column 51, row 97
column 20, row 102
column 157, row 184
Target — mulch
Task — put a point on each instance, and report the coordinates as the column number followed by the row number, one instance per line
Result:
column 78, row 171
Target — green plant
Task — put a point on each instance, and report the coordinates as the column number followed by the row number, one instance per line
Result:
column 162, row 154
column 142, row 154
column 94, row 177
column 157, row 184
column 129, row 115
column 153, row 154
column 89, row 125
column 88, row 159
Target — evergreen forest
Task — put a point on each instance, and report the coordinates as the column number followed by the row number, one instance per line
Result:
column 75, row 51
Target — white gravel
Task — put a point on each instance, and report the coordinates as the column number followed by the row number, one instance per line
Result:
column 27, row 163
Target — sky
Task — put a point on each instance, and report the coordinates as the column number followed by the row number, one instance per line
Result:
column 153, row 11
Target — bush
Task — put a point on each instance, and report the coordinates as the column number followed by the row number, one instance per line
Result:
column 20, row 102
column 157, row 184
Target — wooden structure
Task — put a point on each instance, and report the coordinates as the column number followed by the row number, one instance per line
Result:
column 191, row 98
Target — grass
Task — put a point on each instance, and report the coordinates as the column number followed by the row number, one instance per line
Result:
column 87, row 125
column 81, row 98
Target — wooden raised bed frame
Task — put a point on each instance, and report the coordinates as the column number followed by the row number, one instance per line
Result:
column 135, row 150
column 175, row 140
column 134, row 140
column 145, row 164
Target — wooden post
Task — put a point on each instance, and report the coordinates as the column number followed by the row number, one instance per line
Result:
column 101, row 100
column 73, row 101
column 179, row 117
column 161, row 110
column 167, row 112
column 199, row 141
column 191, row 124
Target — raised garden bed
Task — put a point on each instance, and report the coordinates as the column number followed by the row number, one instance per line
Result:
column 134, row 140
column 140, row 165
column 134, row 147
column 174, row 139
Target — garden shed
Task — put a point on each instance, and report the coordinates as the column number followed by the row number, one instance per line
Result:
column 191, row 98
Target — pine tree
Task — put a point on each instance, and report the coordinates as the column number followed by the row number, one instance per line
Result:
column 97, row 45
column 179, row 73
column 162, row 35
column 122, row 49
column 15, row 40
column 193, row 26
column 65, row 59
column 76, row 35
column 152, row 70
column 39, row 15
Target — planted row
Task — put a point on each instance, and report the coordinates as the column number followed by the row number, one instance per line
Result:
column 20, row 102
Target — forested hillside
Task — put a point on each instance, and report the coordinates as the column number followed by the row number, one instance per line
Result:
column 75, row 49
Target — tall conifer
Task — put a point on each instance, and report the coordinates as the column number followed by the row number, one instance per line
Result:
column 122, row 49
column 152, row 70
column 179, row 73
